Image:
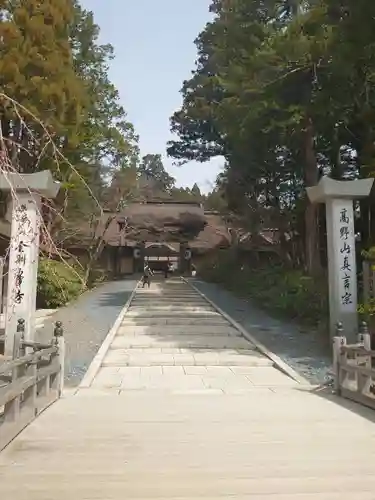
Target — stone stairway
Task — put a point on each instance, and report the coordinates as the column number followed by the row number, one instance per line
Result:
column 172, row 339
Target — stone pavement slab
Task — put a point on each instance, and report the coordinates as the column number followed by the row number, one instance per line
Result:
column 191, row 330
column 165, row 347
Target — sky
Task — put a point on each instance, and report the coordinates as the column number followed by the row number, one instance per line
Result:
column 155, row 52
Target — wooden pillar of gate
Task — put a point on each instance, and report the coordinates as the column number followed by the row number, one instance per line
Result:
column 140, row 252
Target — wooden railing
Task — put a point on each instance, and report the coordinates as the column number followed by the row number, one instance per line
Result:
column 29, row 382
column 353, row 368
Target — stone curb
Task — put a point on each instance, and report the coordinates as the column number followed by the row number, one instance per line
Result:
column 98, row 359
column 279, row 363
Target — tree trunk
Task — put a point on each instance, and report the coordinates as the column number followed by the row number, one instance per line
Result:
column 93, row 258
column 95, row 250
column 312, row 251
column 334, row 154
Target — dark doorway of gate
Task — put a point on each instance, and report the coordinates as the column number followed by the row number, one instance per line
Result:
column 161, row 256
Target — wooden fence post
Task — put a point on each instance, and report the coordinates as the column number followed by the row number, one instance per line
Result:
column 2, row 261
column 60, row 342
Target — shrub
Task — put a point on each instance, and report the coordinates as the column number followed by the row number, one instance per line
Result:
column 287, row 292
column 58, row 283
column 369, row 254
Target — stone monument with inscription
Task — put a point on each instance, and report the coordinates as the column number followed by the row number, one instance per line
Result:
column 26, row 192
column 338, row 197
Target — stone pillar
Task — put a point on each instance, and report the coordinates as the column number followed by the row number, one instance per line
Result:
column 2, row 263
column 342, row 272
column 26, row 191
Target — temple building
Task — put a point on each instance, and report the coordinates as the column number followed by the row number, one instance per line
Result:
column 159, row 232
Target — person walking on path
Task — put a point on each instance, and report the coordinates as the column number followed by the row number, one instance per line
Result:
column 147, row 273
column 193, row 270
column 168, row 270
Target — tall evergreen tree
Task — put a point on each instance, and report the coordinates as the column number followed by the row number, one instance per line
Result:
column 152, row 169
column 37, row 72
column 284, row 91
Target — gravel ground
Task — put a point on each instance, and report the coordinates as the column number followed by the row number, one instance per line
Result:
column 306, row 351
column 86, row 323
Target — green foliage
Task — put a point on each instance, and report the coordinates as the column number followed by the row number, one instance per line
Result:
column 106, row 144
column 153, row 173
column 288, row 293
column 54, row 72
column 367, row 310
column 196, row 192
column 369, row 254
column 285, row 92
column 37, row 72
column 216, row 201
column 58, row 283
column 123, row 188
column 105, row 134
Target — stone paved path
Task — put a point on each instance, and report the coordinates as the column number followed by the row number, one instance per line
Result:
column 171, row 339
column 183, row 408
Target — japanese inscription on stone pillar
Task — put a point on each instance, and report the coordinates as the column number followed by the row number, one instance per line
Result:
column 22, row 259
column 346, row 257
column 20, row 247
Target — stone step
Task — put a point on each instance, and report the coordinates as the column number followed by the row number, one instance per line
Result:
column 171, row 304
column 226, row 379
column 158, row 288
column 171, row 299
column 171, row 296
column 124, row 357
column 145, row 292
column 186, row 309
column 181, row 341
column 185, row 289
column 149, row 312
column 132, row 330
column 248, row 350
column 168, row 300
column 145, row 321
column 146, row 311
